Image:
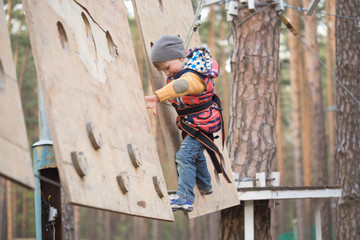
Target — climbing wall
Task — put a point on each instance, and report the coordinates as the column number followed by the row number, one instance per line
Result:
column 15, row 160
column 156, row 18
column 104, row 148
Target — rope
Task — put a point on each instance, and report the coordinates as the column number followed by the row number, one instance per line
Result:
column 303, row 10
column 291, row 28
column 48, row 180
column 195, row 24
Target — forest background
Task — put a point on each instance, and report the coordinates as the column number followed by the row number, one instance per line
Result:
column 17, row 211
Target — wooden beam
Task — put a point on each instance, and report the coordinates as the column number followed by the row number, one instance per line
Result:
column 279, row 193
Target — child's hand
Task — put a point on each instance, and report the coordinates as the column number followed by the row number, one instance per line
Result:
column 151, row 102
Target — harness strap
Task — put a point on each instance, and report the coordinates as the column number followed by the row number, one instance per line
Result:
column 194, row 109
column 217, row 100
column 211, row 148
column 182, row 112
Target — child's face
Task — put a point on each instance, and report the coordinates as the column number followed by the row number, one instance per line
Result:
column 172, row 67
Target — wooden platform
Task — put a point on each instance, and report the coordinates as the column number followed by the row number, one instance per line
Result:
column 282, row 193
column 248, row 195
column 15, row 160
column 104, row 148
column 155, row 19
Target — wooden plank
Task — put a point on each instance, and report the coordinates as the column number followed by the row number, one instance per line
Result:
column 279, row 193
column 104, row 149
column 157, row 18
column 15, row 159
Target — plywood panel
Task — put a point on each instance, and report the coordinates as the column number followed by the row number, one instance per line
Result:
column 15, row 160
column 104, row 148
column 157, row 18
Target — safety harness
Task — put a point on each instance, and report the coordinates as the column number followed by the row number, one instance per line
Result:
column 207, row 139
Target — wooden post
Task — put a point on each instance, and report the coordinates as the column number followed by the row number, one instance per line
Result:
column 249, row 220
column 318, row 222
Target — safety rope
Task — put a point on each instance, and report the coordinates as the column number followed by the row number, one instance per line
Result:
column 195, row 24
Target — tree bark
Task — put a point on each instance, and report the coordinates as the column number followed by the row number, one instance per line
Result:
column 251, row 141
column 348, row 120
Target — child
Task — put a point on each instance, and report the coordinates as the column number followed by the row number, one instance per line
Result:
column 190, row 89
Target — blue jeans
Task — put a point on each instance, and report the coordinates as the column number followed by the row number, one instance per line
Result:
column 192, row 168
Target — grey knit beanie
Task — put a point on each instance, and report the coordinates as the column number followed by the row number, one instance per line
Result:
column 167, row 48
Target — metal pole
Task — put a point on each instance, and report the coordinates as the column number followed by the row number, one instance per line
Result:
column 43, row 154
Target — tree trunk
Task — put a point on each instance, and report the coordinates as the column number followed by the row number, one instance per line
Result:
column 185, row 234
column 295, row 83
column 76, row 222
column 278, row 214
column 23, row 212
column 195, row 229
column 9, row 3
column 211, row 34
column 306, row 138
column 251, row 141
column 212, row 227
column 348, row 120
column 3, row 224
column 330, row 60
column 14, row 199
column 157, row 230
column 319, row 148
column 23, row 67
column 107, row 221
column 8, row 210
column 331, row 118
column 224, row 75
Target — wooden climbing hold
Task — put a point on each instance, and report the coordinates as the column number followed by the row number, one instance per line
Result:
column 94, row 136
column 134, row 156
column 159, row 186
column 80, row 163
column 123, row 181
